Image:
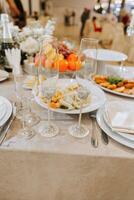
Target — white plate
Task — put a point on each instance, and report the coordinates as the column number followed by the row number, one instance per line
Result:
column 8, row 110
column 98, row 97
column 3, row 110
column 114, row 92
column 3, row 75
column 117, row 137
column 105, row 55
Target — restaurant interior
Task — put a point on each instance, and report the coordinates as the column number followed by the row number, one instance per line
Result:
column 67, row 99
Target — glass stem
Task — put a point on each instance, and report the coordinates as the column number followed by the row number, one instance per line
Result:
column 80, row 115
column 23, row 115
column 28, row 105
column 48, row 114
column 23, row 123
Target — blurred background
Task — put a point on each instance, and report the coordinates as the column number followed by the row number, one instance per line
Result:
column 110, row 21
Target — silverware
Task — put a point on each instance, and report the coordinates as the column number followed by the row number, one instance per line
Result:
column 6, row 127
column 104, row 136
column 94, row 137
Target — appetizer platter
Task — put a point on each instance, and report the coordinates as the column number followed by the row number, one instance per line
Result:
column 115, row 85
column 66, row 100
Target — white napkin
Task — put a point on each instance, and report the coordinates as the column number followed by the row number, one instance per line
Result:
column 14, row 58
column 120, row 116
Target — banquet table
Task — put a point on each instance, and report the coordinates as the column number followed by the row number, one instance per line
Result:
column 63, row 168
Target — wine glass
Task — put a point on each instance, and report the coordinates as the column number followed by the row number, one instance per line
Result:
column 48, row 69
column 88, row 56
column 26, row 132
column 32, row 118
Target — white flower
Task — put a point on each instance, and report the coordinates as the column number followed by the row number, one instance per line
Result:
column 30, row 46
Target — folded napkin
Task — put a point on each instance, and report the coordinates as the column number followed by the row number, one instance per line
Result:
column 14, row 58
column 120, row 116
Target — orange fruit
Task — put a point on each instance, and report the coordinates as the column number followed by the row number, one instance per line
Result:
column 63, row 65
column 78, row 64
column 72, row 57
column 72, row 65
column 56, row 64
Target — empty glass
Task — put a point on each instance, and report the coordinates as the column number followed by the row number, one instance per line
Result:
column 48, row 74
column 87, row 55
column 26, row 132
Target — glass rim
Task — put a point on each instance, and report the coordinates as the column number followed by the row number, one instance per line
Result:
column 90, row 39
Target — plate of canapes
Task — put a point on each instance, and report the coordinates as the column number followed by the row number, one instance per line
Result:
column 66, row 99
column 116, row 85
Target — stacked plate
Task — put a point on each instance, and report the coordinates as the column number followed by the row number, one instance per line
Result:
column 3, row 75
column 117, row 120
column 5, row 110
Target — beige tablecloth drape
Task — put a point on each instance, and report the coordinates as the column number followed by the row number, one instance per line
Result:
column 64, row 168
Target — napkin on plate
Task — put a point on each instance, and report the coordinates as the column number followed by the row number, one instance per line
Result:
column 120, row 116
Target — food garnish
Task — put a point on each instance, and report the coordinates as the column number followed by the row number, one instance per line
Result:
column 116, row 84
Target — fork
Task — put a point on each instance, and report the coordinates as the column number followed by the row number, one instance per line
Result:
column 104, row 136
column 94, row 137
